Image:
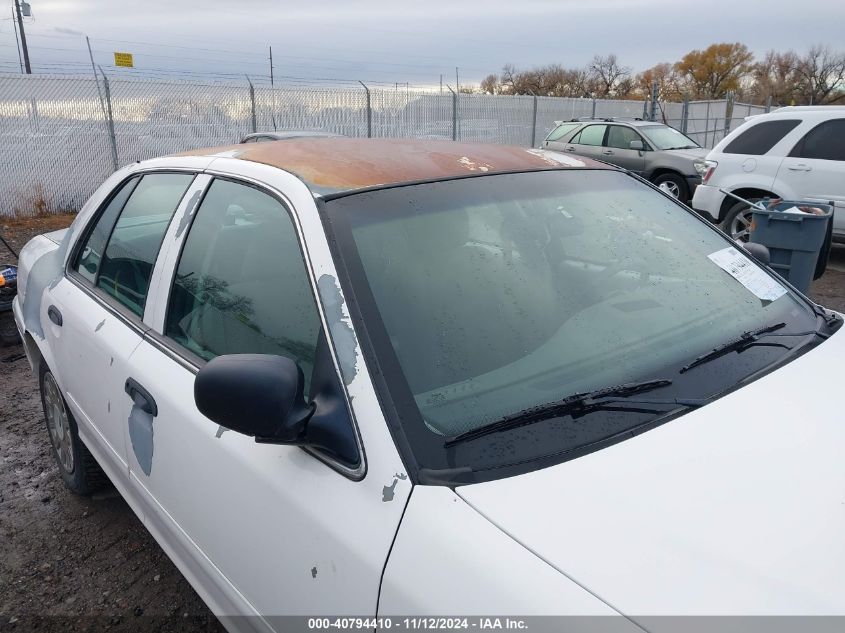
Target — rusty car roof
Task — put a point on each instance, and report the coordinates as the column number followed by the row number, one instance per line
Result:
column 330, row 165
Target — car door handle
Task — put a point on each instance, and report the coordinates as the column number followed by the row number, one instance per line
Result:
column 799, row 167
column 568, row 148
column 141, row 397
column 607, row 152
column 55, row 315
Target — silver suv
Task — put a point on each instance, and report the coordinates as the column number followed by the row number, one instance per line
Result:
column 657, row 152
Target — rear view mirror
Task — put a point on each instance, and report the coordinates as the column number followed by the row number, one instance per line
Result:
column 637, row 145
column 255, row 394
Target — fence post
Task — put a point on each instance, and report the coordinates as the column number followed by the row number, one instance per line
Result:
column 252, row 103
column 593, row 115
column 654, row 93
column 534, row 122
column 369, row 111
column 729, row 110
column 110, row 119
column 645, row 109
column 685, row 114
column 454, row 113
column 769, row 104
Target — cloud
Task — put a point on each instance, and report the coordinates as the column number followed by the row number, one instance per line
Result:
column 66, row 31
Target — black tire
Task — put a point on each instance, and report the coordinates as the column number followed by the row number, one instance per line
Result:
column 8, row 330
column 737, row 221
column 674, row 185
column 84, row 476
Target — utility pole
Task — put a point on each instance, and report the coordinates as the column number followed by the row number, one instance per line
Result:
column 271, row 66
column 23, row 38
column 17, row 45
column 457, row 83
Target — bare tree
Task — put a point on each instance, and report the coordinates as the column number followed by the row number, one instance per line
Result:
column 508, row 82
column 668, row 83
column 776, row 77
column 608, row 76
column 784, row 77
column 490, row 85
column 822, row 75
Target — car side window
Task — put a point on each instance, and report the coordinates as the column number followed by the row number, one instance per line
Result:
column 620, row 137
column 241, row 286
column 561, row 130
column 89, row 257
column 826, row 141
column 760, row 138
column 133, row 245
column 590, row 135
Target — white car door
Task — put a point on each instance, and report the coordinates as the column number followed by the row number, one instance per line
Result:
column 95, row 309
column 815, row 168
column 258, row 528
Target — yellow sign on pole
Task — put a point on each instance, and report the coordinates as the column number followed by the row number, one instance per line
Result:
column 123, row 59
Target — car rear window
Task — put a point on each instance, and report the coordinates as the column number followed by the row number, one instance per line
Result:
column 760, row 138
column 560, row 130
column 826, row 141
column 132, row 249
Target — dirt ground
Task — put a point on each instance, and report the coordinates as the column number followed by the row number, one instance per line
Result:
column 70, row 563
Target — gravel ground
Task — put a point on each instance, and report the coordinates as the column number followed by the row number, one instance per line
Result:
column 70, row 563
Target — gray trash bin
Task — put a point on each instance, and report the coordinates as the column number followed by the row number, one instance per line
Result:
column 794, row 239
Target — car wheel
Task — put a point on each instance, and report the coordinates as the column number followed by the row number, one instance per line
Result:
column 8, row 330
column 737, row 222
column 78, row 468
column 674, row 185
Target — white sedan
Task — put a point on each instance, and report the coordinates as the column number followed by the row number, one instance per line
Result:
column 392, row 378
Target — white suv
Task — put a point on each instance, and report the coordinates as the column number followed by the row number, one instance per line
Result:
column 796, row 153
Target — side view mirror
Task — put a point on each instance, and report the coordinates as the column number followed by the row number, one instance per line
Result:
column 637, row 145
column 255, row 394
column 758, row 252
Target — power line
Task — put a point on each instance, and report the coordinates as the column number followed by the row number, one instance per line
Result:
column 78, row 68
column 246, row 53
column 375, row 67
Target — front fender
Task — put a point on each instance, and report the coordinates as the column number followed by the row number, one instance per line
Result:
column 448, row 559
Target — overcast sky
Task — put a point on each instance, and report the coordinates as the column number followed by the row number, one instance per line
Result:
column 381, row 40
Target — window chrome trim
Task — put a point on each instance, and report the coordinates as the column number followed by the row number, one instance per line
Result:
column 171, row 251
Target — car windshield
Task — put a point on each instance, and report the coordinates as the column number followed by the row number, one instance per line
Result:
column 487, row 296
column 664, row 137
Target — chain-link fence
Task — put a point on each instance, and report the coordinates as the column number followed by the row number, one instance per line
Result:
column 61, row 137
column 54, row 144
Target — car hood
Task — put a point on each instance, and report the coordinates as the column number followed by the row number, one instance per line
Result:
column 734, row 508
column 691, row 154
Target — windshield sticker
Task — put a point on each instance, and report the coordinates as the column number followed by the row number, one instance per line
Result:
column 747, row 273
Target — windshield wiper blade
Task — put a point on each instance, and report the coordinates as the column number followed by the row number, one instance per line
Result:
column 745, row 340
column 585, row 401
